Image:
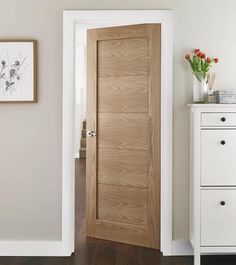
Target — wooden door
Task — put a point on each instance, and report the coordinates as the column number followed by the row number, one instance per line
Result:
column 123, row 159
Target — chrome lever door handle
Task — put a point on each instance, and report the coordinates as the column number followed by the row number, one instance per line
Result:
column 91, row 134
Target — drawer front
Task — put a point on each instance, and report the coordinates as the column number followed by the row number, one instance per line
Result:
column 218, row 222
column 218, row 157
column 219, row 119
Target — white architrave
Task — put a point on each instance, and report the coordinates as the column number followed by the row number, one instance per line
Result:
column 107, row 18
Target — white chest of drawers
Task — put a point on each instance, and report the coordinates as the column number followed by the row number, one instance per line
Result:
column 212, row 179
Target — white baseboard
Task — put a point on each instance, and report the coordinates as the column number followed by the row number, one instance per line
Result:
column 181, row 248
column 34, row 248
column 59, row 249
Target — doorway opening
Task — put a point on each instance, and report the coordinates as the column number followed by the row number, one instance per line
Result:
column 81, row 21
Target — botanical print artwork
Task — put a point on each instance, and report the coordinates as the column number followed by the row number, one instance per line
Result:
column 11, row 73
column 17, row 69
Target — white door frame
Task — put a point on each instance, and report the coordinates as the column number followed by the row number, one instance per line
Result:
column 115, row 18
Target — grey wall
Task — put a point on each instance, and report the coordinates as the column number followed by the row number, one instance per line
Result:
column 30, row 134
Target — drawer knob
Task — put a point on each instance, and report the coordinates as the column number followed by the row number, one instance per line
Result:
column 223, row 119
column 223, row 142
column 222, row 203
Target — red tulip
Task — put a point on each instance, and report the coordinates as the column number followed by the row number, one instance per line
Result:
column 203, row 55
column 208, row 59
column 199, row 54
column 196, row 51
column 187, row 56
column 216, row 60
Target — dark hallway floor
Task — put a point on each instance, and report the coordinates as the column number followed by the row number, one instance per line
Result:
column 99, row 252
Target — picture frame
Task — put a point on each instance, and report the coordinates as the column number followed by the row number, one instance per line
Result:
column 18, row 71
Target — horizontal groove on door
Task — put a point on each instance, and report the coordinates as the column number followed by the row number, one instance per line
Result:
column 125, row 233
column 121, row 94
column 123, row 57
column 123, row 167
column 123, row 130
column 122, row 204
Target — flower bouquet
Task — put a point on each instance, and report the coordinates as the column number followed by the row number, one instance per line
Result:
column 200, row 65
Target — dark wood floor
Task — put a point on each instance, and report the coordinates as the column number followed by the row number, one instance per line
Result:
column 100, row 252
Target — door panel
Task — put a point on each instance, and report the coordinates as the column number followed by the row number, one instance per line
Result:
column 121, row 94
column 123, row 167
column 125, row 233
column 123, row 130
column 123, row 57
column 122, row 204
column 123, row 159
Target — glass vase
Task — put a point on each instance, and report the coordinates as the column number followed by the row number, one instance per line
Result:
column 200, row 90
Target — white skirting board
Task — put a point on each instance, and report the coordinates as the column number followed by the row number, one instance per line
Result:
column 58, row 249
column 34, row 248
column 181, row 248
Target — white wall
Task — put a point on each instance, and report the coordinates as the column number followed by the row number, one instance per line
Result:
column 30, row 135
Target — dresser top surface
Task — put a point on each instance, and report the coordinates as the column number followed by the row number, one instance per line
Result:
column 212, row 107
column 195, row 105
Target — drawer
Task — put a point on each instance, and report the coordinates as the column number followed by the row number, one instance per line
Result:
column 218, row 157
column 217, row 220
column 218, row 119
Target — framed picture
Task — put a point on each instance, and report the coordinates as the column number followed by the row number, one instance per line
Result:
column 18, row 74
